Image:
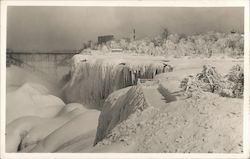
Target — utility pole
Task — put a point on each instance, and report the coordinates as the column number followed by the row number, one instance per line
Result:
column 134, row 34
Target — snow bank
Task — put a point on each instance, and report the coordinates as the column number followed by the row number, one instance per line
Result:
column 94, row 77
column 117, row 107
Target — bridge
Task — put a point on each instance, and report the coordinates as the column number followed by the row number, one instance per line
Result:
column 54, row 64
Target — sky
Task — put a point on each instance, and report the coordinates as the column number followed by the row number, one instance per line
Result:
column 58, row 28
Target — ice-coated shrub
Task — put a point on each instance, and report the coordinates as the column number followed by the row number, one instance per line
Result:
column 209, row 80
column 236, row 76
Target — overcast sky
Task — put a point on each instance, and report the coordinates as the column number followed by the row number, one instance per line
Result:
column 57, row 28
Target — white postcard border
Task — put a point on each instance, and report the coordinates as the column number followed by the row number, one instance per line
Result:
column 172, row 3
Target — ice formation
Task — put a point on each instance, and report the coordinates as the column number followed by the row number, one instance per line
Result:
column 117, row 107
column 34, row 115
column 93, row 78
column 70, row 132
column 24, row 133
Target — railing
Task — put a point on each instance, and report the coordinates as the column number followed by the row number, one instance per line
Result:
column 147, row 82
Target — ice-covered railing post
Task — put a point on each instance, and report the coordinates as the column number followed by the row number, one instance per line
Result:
column 138, row 81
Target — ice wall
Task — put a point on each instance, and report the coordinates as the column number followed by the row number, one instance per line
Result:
column 93, row 78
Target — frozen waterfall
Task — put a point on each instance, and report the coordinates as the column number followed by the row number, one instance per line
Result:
column 91, row 79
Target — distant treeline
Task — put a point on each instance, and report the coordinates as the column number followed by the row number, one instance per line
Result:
column 206, row 44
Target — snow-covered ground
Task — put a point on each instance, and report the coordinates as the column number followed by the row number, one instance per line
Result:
column 148, row 117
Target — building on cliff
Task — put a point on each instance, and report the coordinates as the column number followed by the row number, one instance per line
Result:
column 105, row 38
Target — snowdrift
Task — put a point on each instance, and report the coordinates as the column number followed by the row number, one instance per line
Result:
column 93, row 77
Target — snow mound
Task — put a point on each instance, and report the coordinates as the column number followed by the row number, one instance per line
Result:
column 93, row 78
column 31, row 100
